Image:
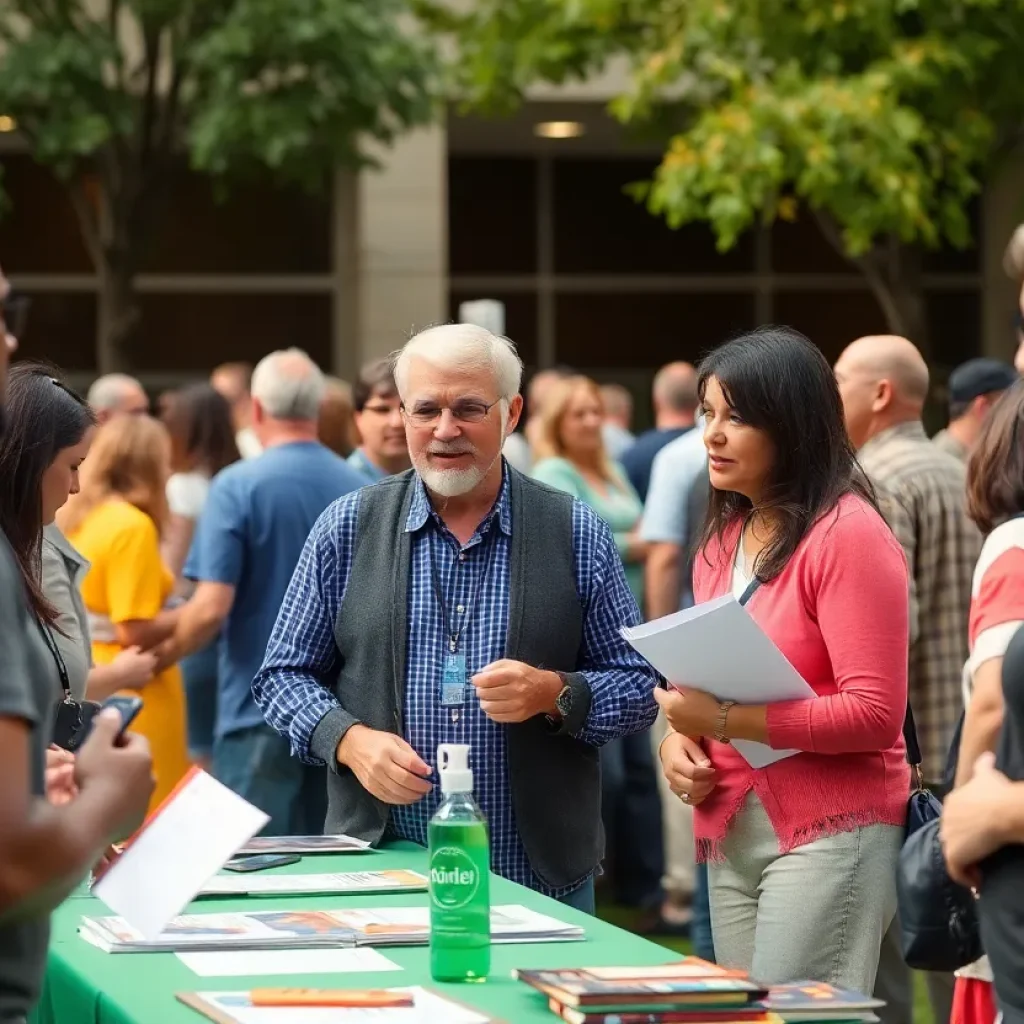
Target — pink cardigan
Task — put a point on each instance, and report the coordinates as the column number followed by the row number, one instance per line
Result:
column 839, row 613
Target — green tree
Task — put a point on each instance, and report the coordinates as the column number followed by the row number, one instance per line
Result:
column 879, row 118
column 112, row 93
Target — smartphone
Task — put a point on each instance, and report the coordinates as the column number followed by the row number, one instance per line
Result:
column 262, row 861
column 128, row 707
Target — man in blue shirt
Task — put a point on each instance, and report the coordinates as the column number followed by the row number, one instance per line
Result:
column 675, row 409
column 469, row 604
column 247, row 543
column 382, row 450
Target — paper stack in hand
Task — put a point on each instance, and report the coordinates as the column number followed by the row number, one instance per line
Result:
column 718, row 648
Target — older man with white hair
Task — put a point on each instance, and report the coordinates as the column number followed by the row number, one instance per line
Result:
column 496, row 603
column 247, row 542
column 117, row 394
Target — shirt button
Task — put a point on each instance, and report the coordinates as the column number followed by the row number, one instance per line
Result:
column 461, row 608
column 462, row 556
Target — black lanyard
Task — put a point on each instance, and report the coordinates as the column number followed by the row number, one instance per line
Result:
column 62, row 670
column 454, row 635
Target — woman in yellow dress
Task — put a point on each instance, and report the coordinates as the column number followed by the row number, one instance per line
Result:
column 115, row 521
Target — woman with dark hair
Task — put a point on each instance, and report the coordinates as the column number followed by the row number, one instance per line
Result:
column 995, row 501
column 802, row 852
column 198, row 419
column 49, row 432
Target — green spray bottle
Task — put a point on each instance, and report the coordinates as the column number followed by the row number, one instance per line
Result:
column 460, row 861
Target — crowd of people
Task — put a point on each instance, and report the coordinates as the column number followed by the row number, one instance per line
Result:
column 312, row 585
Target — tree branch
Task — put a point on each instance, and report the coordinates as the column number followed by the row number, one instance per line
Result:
column 87, row 221
column 872, row 266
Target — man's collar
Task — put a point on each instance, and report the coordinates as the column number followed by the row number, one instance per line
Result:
column 910, row 430
column 420, row 507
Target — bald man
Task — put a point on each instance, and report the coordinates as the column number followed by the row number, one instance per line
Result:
column 674, row 396
column 884, row 384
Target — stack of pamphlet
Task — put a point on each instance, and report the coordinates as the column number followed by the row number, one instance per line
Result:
column 341, row 884
column 306, row 929
column 691, row 991
column 304, row 845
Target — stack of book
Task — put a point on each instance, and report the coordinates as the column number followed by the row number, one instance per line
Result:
column 691, row 991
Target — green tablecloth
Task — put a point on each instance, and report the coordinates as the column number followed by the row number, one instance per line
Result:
column 87, row 986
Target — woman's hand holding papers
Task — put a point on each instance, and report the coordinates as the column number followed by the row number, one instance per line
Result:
column 687, row 768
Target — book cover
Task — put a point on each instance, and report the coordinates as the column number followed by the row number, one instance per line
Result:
column 817, row 996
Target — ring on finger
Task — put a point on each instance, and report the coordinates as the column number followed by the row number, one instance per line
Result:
column 685, row 797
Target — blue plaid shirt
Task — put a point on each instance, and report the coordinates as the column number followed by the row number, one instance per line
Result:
column 293, row 686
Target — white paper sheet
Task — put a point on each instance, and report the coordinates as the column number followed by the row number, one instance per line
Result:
column 717, row 647
column 187, row 841
column 263, row 963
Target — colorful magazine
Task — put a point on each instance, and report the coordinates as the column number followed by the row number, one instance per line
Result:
column 307, row 929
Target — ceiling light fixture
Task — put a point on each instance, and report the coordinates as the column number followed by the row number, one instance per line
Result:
column 7, row 123
column 559, row 129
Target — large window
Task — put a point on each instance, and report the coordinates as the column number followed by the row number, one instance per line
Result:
column 590, row 278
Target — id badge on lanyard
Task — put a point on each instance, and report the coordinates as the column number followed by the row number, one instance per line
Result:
column 454, row 680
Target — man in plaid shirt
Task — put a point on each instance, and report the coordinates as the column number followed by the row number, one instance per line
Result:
column 921, row 489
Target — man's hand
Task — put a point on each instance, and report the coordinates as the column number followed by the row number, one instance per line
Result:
column 385, row 765
column 134, row 667
column 60, row 776
column 116, row 774
column 510, row 691
column 973, row 816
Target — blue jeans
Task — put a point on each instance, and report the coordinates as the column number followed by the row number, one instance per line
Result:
column 257, row 764
column 700, row 925
column 581, row 898
column 631, row 810
column 199, row 672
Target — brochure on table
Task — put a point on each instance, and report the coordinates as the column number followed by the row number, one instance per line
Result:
column 305, row 845
column 428, row 1008
column 717, row 647
column 336, row 884
column 296, row 929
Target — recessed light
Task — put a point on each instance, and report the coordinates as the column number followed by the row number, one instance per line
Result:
column 7, row 123
column 559, row 129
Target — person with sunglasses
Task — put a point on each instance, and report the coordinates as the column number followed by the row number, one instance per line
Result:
column 462, row 602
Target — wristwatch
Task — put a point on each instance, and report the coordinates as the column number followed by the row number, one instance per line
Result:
column 723, row 715
column 564, row 700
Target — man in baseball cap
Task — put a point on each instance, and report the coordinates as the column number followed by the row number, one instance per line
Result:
column 974, row 387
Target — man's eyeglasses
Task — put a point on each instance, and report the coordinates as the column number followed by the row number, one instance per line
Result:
column 465, row 410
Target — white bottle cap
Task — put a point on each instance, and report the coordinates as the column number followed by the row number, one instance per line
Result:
column 453, row 768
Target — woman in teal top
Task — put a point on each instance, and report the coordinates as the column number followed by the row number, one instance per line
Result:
column 571, row 456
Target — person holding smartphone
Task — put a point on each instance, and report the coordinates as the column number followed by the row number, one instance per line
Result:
column 45, row 849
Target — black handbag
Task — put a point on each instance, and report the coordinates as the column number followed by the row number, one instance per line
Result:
column 938, row 917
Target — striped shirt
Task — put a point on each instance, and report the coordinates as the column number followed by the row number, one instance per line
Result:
column 293, row 687
column 921, row 490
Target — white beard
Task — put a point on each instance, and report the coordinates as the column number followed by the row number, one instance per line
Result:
column 450, row 483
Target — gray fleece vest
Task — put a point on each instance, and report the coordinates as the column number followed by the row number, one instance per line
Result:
column 555, row 778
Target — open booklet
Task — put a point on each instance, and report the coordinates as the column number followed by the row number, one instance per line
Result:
column 717, row 647
column 298, row 929
column 397, row 880
column 413, row 1005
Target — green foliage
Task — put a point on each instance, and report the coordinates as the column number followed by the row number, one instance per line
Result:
column 238, row 85
column 881, row 116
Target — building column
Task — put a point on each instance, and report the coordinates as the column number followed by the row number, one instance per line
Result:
column 402, row 215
